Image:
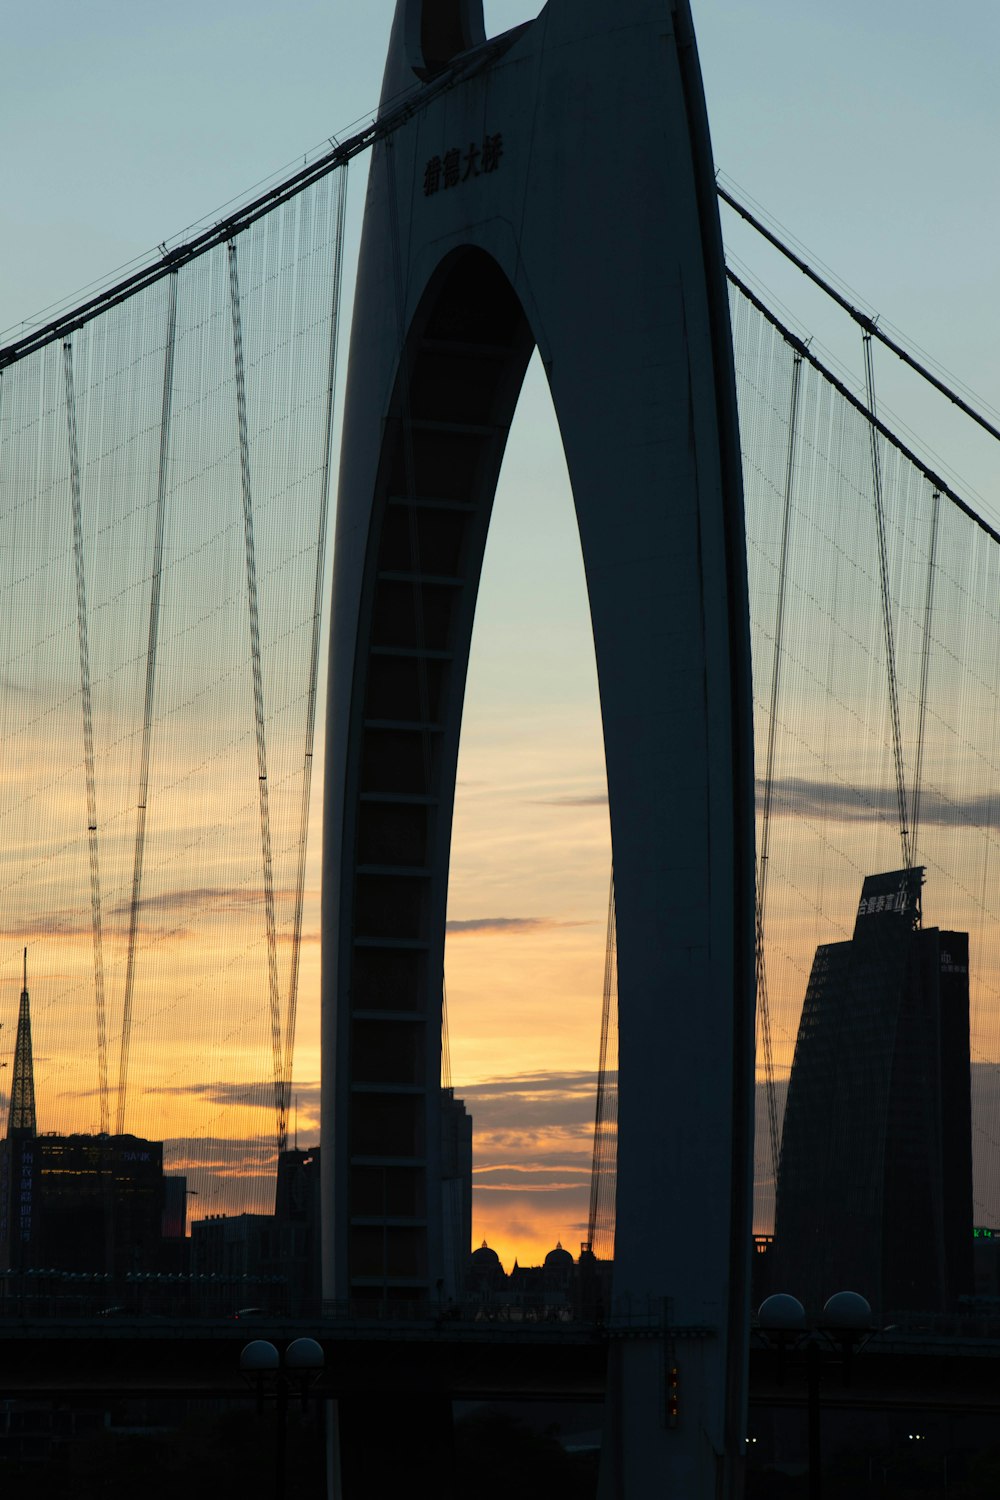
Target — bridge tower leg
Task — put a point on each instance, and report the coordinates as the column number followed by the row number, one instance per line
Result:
column 553, row 187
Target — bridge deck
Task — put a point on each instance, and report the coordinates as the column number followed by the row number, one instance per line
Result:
column 200, row 1358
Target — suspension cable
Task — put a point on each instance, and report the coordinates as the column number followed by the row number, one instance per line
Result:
column 794, row 342
column 466, row 66
column 869, row 325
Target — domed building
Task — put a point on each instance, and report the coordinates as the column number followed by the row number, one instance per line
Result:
column 486, row 1276
column 558, row 1289
column 558, row 1277
column 559, row 1262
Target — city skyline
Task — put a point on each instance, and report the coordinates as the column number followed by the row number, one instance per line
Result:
column 531, row 849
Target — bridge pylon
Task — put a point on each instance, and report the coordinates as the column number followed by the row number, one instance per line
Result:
column 551, row 188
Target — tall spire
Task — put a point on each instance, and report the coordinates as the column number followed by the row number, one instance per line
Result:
column 21, row 1119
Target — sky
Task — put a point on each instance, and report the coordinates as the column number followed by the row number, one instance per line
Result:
column 866, row 132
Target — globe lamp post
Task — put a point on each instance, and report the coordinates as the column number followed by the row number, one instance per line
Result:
column 270, row 1375
column 846, row 1321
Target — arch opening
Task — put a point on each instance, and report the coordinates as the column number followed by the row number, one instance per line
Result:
column 530, row 858
column 443, row 32
column 438, row 31
column 461, row 371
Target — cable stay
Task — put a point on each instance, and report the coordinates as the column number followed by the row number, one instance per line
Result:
column 446, row 1079
column 88, row 730
column 149, row 694
column 603, row 1175
column 763, row 1003
column 890, row 648
column 165, row 532
column 314, row 648
column 925, row 656
column 280, row 1098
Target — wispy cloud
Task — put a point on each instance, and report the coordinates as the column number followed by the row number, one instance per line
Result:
column 812, row 797
column 498, row 924
column 569, row 1166
column 214, row 1153
column 592, row 799
column 48, row 927
column 232, row 898
column 556, row 1172
column 580, row 1185
column 508, row 924
column 258, row 1093
column 535, row 1084
column 533, row 1132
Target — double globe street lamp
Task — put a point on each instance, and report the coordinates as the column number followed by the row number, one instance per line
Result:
column 276, row 1376
column 846, row 1321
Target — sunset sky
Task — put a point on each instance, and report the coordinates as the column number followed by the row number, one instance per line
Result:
column 868, row 131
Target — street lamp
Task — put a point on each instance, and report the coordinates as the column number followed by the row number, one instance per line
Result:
column 270, row 1375
column 846, row 1318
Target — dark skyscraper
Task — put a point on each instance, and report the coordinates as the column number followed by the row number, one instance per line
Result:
column 456, row 1191
column 875, row 1183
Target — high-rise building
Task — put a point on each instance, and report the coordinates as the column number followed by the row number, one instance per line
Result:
column 295, row 1249
column 874, row 1187
column 100, row 1203
column 74, row 1202
column 456, row 1192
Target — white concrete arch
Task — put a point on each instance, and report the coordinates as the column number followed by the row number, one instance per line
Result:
column 560, row 194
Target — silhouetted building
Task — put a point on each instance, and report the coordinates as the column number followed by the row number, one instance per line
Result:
column 875, row 1182
column 295, row 1246
column 18, row 1202
column 456, row 1191
column 85, row 1203
column 593, row 1285
column 761, row 1269
column 100, row 1200
column 986, row 1264
column 174, row 1208
column 18, row 1155
column 486, row 1279
column 21, row 1113
column 559, row 1289
column 230, row 1246
column 276, row 1257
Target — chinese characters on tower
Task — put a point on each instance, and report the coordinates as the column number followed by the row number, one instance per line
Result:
column 456, row 165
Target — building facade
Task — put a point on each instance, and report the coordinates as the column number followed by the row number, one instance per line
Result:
column 875, row 1182
column 86, row 1203
column 78, row 1203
